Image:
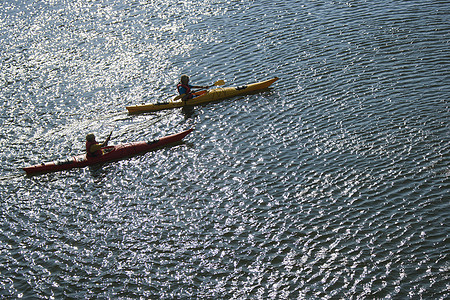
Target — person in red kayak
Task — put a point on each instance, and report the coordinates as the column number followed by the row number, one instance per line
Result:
column 184, row 88
column 93, row 148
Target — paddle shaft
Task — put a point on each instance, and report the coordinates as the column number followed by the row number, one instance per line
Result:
column 108, row 138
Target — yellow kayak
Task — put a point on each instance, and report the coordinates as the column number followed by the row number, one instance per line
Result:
column 204, row 97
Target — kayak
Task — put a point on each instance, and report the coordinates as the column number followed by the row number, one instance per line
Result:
column 204, row 97
column 112, row 153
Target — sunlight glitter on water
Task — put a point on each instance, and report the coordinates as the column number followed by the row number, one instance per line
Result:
column 331, row 184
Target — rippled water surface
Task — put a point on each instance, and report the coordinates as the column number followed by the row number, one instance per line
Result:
column 332, row 184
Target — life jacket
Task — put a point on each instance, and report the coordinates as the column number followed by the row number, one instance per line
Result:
column 188, row 89
column 89, row 153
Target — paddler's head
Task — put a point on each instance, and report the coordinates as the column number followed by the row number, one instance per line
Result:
column 90, row 137
column 184, row 79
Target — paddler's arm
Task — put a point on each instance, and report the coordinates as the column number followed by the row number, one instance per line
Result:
column 189, row 96
column 105, row 143
column 97, row 146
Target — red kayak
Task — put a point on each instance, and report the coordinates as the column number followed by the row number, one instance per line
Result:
column 113, row 153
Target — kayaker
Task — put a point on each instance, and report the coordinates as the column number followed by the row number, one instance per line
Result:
column 93, row 148
column 185, row 88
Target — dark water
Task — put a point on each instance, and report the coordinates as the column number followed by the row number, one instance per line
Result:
column 332, row 185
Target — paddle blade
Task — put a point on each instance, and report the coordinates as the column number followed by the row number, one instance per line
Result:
column 178, row 97
column 219, row 82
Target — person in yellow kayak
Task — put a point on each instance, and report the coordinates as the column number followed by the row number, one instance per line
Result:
column 93, row 148
column 184, row 88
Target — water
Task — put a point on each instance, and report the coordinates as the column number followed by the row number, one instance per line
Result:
column 333, row 184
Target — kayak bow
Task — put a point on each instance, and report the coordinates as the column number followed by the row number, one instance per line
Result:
column 113, row 153
column 204, row 97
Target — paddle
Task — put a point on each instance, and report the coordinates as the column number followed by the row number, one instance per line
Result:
column 105, row 143
column 109, row 136
column 217, row 83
